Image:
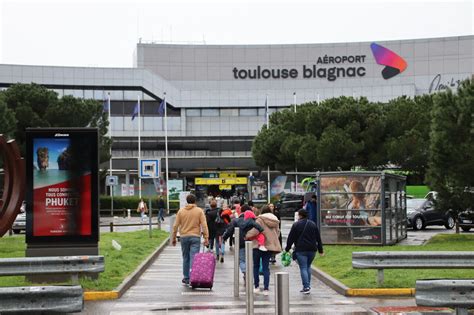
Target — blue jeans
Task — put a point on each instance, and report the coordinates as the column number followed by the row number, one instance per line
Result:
column 220, row 249
column 304, row 260
column 264, row 257
column 242, row 259
column 160, row 214
column 189, row 247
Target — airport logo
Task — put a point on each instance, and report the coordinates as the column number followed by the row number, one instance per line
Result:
column 385, row 57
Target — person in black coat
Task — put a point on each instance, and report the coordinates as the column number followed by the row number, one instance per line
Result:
column 211, row 215
column 305, row 235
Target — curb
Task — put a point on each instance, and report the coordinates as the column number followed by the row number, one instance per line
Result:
column 129, row 281
column 381, row 292
column 346, row 291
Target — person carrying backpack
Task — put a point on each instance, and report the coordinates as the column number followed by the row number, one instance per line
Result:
column 222, row 221
column 244, row 226
column 211, row 217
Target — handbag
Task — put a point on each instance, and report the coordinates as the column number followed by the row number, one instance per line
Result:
column 293, row 255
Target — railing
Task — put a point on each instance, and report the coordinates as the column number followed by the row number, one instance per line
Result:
column 458, row 294
column 64, row 298
column 411, row 260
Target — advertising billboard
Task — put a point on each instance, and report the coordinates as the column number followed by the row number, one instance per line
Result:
column 351, row 208
column 62, row 185
column 258, row 191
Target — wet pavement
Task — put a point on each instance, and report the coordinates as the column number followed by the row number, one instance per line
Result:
column 159, row 290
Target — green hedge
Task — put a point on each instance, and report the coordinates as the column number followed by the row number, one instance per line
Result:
column 131, row 202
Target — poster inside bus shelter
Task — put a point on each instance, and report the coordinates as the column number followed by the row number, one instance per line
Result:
column 62, row 167
column 351, row 208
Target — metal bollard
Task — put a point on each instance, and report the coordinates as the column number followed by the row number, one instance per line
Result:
column 172, row 218
column 236, row 261
column 282, row 293
column 249, row 276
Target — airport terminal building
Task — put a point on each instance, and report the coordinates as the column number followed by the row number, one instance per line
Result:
column 216, row 94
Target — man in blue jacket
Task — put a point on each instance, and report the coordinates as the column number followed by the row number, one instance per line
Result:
column 312, row 208
column 305, row 235
column 244, row 226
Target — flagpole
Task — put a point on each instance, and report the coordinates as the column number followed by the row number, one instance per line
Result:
column 166, row 154
column 139, row 152
column 296, row 165
column 110, row 161
column 268, row 167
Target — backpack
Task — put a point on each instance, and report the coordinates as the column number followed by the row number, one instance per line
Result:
column 219, row 219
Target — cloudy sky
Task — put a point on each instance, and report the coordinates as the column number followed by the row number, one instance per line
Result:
column 105, row 32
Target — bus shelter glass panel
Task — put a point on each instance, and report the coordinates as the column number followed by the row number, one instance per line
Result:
column 351, row 209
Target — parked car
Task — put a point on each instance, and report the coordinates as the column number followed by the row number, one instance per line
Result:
column 20, row 222
column 466, row 220
column 290, row 203
column 422, row 212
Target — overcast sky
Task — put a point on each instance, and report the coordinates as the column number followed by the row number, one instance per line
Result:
column 104, row 33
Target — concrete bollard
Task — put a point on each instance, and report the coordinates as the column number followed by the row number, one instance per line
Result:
column 236, row 261
column 282, row 293
column 249, row 276
column 129, row 214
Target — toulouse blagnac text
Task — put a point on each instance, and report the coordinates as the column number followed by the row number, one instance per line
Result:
column 312, row 71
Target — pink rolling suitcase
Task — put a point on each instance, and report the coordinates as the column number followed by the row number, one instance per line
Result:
column 202, row 271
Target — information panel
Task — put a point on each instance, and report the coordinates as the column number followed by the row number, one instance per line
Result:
column 62, row 185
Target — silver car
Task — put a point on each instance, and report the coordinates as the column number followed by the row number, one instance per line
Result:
column 20, row 221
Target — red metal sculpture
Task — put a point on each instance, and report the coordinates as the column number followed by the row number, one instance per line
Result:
column 13, row 183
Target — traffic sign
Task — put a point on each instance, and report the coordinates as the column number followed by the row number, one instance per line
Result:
column 149, row 168
column 111, row 180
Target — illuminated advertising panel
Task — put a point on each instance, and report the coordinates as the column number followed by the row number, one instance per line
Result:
column 62, row 185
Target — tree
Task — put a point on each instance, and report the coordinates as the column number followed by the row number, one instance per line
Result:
column 408, row 133
column 36, row 106
column 7, row 119
column 75, row 112
column 29, row 102
column 339, row 133
column 451, row 158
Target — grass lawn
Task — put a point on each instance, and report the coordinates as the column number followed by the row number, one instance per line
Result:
column 338, row 263
column 136, row 246
column 417, row 191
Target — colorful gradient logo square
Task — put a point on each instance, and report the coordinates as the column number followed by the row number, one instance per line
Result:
column 385, row 57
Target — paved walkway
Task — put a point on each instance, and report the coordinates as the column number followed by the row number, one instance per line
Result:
column 159, row 290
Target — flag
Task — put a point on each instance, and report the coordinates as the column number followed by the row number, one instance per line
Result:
column 161, row 109
column 135, row 111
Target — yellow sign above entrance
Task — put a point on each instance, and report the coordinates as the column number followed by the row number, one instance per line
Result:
column 225, row 187
column 227, row 175
column 221, row 181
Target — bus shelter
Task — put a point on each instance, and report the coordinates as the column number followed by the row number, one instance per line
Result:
column 361, row 207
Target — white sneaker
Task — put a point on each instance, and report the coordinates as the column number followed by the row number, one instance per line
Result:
column 263, row 248
column 256, row 290
column 266, row 292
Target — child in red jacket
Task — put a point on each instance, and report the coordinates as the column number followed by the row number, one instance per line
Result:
column 260, row 237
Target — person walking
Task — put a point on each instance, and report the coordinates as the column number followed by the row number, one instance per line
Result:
column 142, row 209
column 191, row 222
column 211, row 217
column 161, row 208
column 244, row 226
column 305, row 235
column 312, row 208
column 223, row 219
column 269, row 222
